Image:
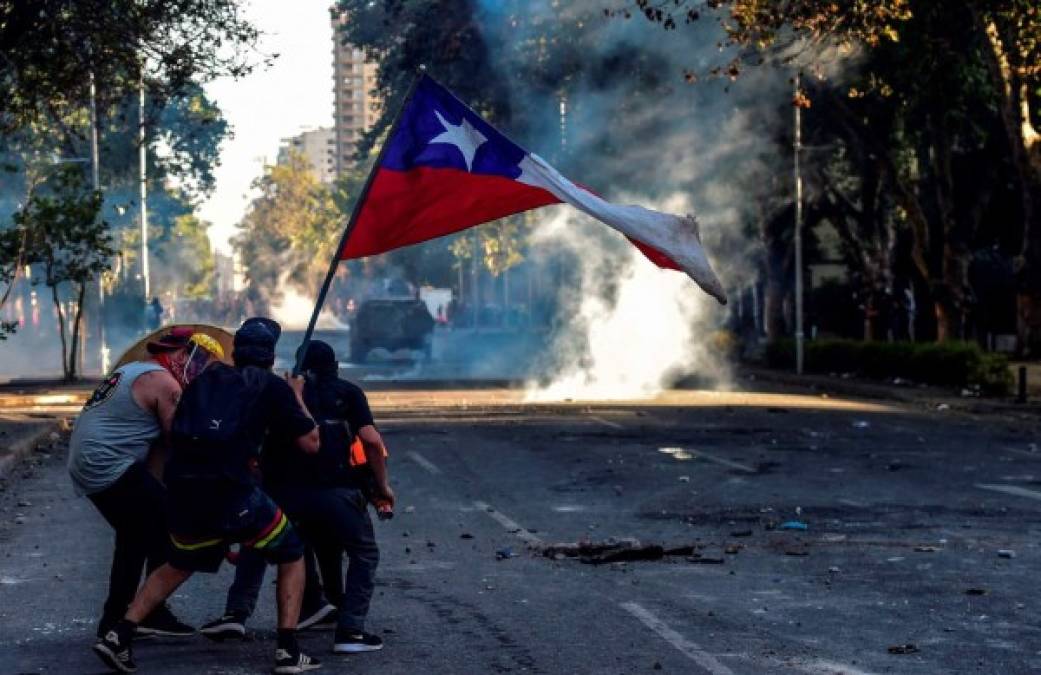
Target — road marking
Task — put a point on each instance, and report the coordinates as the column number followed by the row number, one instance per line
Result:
column 511, row 526
column 424, row 462
column 1012, row 490
column 1025, row 453
column 685, row 646
column 854, row 504
column 606, row 423
column 825, row 667
column 721, row 460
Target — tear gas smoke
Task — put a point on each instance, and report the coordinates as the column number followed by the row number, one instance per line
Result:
column 293, row 309
column 636, row 328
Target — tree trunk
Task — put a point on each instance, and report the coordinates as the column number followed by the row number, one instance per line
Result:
column 1025, row 144
column 61, row 331
column 77, row 322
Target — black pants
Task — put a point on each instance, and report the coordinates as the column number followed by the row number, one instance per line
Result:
column 135, row 507
column 336, row 521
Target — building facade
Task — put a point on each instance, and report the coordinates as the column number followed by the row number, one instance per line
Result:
column 318, row 147
column 356, row 109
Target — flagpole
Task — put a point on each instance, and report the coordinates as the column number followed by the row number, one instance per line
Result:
column 335, row 262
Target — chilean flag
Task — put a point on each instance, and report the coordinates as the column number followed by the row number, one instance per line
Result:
column 444, row 169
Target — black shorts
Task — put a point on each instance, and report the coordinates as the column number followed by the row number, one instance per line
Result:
column 201, row 535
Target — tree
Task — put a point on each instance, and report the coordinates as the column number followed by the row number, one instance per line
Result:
column 1005, row 34
column 289, row 231
column 62, row 236
column 51, row 50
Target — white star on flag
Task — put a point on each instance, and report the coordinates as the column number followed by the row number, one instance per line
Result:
column 463, row 136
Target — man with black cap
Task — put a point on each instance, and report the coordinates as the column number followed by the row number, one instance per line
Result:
column 112, row 440
column 324, row 496
column 328, row 497
column 221, row 422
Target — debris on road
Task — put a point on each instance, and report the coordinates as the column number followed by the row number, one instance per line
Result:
column 741, row 533
column 862, row 424
column 466, row 535
column 504, row 553
column 926, row 549
column 943, row 406
column 908, row 648
column 1006, row 553
column 622, row 550
column 793, row 525
column 975, row 591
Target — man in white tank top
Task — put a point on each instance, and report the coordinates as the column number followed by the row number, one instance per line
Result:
column 108, row 453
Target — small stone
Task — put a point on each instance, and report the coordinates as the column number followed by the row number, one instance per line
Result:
column 684, row 479
column 1006, row 553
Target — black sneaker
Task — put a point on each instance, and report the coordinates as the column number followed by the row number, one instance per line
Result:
column 229, row 626
column 350, row 642
column 115, row 653
column 162, row 622
column 323, row 617
column 288, row 662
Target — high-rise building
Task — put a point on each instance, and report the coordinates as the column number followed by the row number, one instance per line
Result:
column 318, row 147
column 356, row 109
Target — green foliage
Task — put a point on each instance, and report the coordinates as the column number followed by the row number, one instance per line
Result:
column 58, row 232
column 290, row 231
column 953, row 364
column 51, row 47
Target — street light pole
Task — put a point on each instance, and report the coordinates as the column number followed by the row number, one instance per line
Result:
column 95, row 179
column 797, row 105
column 142, row 152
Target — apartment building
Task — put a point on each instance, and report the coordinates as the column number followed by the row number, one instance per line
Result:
column 318, row 146
column 356, row 110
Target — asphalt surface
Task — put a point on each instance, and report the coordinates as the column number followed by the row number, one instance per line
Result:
column 906, row 514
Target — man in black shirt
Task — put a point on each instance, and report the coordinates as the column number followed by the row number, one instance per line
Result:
column 327, row 498
column 222, row 420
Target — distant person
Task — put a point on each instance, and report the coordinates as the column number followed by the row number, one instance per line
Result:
column 119, row 426
column 326, row 495
column 155, row 314
column 222, row 420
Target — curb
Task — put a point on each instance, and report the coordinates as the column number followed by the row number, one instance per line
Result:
column 929, row 398
column 25, row 446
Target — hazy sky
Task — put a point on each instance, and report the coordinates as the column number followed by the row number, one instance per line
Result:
column 294, row 93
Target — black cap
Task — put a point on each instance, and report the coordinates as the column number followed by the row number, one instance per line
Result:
column 255, row 342
column 320, row 358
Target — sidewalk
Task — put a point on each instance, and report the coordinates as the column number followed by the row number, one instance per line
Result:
column 21, row 435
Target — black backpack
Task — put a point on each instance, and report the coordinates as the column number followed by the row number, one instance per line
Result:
column 216, row 429
column 331, row 466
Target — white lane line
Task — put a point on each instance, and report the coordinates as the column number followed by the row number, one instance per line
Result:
column 424, row 462
column 853, row 503
column 685, row 646
column 511, row 526
column 825, row 667
column 1025, row 453
column 606, row 423
column 1012, row 490
column 721, row 460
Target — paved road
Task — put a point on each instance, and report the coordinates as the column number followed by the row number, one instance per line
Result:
column 906, row 513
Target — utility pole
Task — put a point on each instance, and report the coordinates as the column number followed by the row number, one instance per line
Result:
column 95, row 179
column 797, row 106
column 143, row 153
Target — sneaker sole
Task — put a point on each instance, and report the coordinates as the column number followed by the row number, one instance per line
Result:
column 291, row 670
column 355, row 649
column 142, row 632
column 222, row 633
column 109, row 658
column 317, row 617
